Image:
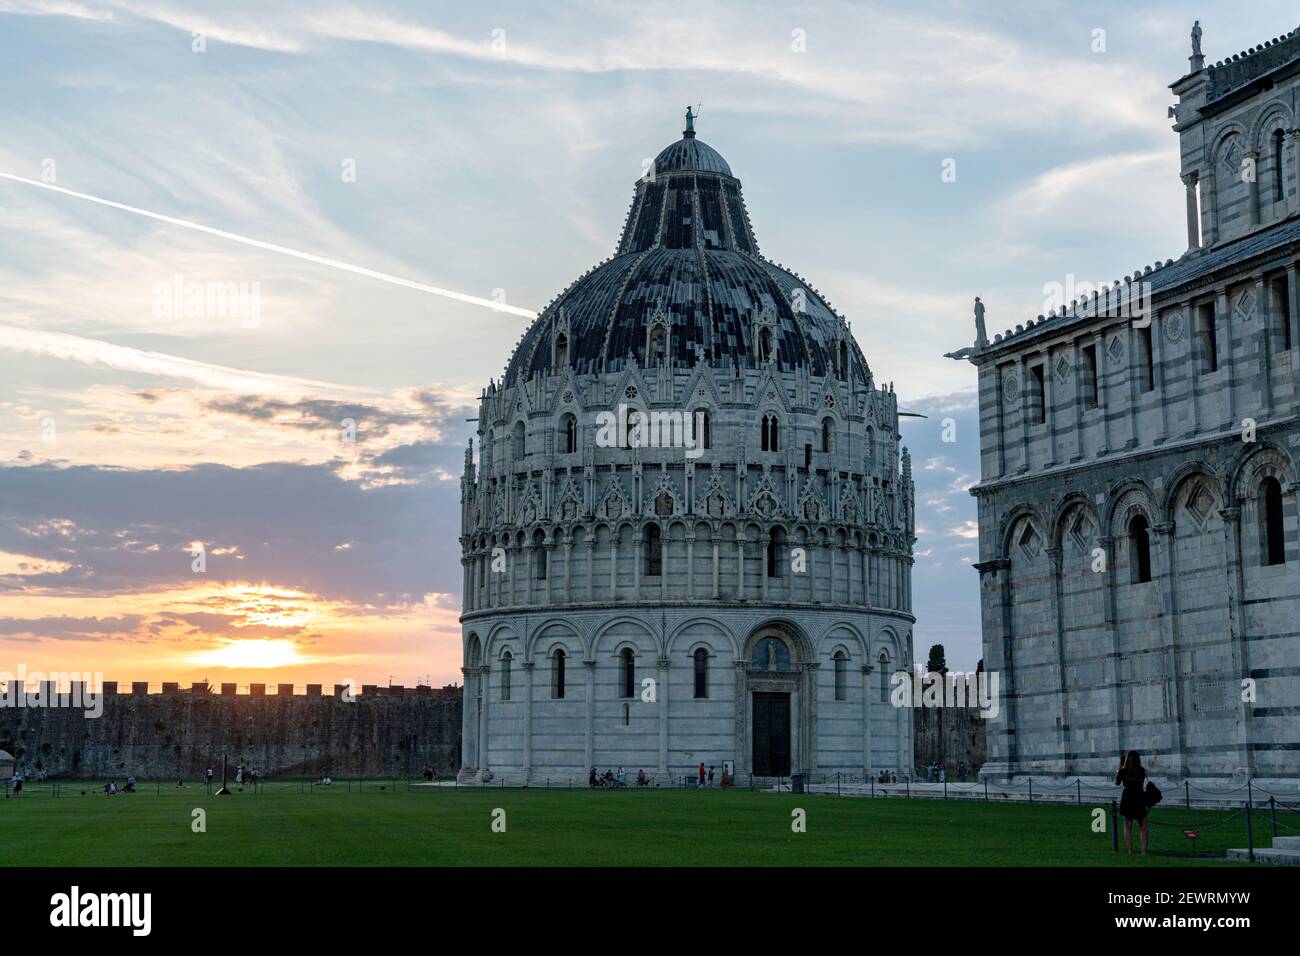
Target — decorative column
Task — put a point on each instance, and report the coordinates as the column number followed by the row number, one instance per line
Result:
column 1111, row 671
column 1024, row 415
column 481, row 690
column 1223, row 322
column 1056, row 615
column 548, row 547
column 717, row 568
column 1234, row 629
column 468, row 722
column 1000, row 658
column 528, row 718
column 1158, row 373
column 589, row 724
column 662, row 697
column 764, row 541
column 809, row 754
column 1103, row 372
column 1294, row 319
column 1164, row 559
column 1293, row 198
column 742, row 713
column 690, row 565
column 1264, row 312
column 1193, row 213
column 866, row 718
column 741, row 541
column 1049, row 391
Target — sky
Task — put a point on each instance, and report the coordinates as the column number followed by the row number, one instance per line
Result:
column 165, row 389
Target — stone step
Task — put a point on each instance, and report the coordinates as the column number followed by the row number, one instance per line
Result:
column 1265, row 855
column 1287, row 843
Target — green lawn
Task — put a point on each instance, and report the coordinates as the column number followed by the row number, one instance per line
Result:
column 449, row 826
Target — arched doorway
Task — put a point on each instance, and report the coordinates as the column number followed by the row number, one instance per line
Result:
column 778, row 702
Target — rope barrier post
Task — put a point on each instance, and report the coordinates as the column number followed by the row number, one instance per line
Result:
column 908, row 782
column 1272, row 809
column 1078, row 791
column 1031, row 791
column 1187, row 794
column 1114, row 827
column 986, row 789
column 945, row 787
column 1250, row 836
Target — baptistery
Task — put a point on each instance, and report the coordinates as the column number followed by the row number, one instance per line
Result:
column 687, row 534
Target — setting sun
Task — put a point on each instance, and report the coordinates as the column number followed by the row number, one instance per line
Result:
column 251, row 653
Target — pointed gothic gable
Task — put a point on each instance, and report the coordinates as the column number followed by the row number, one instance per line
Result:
column 663, row 500
column 770, row 391
column 631, row 379
column 569, row 506
column 849, row 510
column 569, row 396
column 701, row 388
column 530, row 506
column 714, row 501
column 614, row 502
column 811, row 505
column 766, row 499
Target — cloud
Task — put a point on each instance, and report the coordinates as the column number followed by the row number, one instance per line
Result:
column 66, row 628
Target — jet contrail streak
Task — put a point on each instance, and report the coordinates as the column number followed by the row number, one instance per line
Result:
column 283, row 250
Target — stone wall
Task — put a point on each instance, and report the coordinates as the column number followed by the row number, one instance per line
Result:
column 949, row 736
column 174, row 735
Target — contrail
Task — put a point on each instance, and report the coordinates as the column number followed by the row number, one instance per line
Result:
column 283, row 250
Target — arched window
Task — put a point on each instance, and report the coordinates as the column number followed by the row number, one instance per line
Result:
column 773, row 557
column 844, row 360
column 629, row 672
column 841, row 675
column 1278, row 168
column 506, row 659
column 1139, row 545
column 884, row 677
column 828, row 432
column 1271, row 527
column 561, row 350
column 654, row 552
column 769, row 442
column 701, row 673
column 764, row 345
column 557, row 674
column 517, row 448
column 634, row 435
column 700, row 429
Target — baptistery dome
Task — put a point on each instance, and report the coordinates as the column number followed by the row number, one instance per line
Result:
column 687, row 534
column 688, row 254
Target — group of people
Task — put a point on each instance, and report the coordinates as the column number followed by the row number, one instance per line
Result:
column 706, row 780
column 887, row 776
column 112, row 789
column 431, row 773
column 611, row 779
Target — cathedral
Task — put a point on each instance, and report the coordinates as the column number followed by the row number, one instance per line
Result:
column 687, row 537
column 1139, row 564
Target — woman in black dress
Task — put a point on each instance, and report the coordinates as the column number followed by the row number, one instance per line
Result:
column 1133, row 804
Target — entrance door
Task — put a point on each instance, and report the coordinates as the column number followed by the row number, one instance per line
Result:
column 771, row 735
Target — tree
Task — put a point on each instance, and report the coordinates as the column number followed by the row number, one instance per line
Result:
column 937, row 664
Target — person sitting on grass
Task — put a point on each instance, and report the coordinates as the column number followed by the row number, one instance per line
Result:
column 1133, row 804
column 130, row 785
column 591, row 777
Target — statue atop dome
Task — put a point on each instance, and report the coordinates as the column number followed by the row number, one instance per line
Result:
column 689, row 132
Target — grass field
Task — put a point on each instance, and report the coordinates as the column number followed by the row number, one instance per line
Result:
column 282, row 825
